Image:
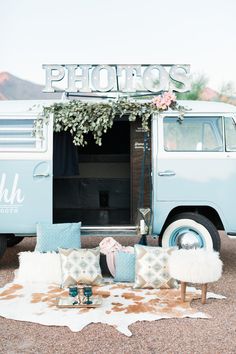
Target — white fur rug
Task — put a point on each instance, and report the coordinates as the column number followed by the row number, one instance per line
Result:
column 121, row 306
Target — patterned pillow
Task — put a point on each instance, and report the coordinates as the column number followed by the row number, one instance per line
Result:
column 52, row 236
column 80, row 266
column 151, row 268
column 125, row 267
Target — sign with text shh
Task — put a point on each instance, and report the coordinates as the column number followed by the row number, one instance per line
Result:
column 87, row 78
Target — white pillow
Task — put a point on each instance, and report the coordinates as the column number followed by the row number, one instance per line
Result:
column 39, row 267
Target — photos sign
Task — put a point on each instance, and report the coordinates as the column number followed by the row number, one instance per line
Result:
column 87, row 78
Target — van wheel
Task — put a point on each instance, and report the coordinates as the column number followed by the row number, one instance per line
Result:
column 3, row 244
column 190, row 230
column 13, row 240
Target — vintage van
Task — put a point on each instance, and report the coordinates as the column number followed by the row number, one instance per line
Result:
column 192, row 188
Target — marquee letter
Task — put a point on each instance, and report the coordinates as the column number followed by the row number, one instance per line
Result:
column 180, row 74
column 96, row 78
column 72, row 78
column 130, row 71
column 149, row 81
column 50, row 77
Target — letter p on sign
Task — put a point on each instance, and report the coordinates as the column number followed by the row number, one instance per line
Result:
column 53, row 73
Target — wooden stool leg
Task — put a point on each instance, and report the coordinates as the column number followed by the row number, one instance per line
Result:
column 183, row 290
column 204, row 293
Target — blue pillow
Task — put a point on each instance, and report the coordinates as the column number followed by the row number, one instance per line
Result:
column 50, row 237
column 125, row 267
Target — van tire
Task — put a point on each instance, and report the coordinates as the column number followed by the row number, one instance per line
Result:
column 3, row 244
column 206, row 233
column 13, row 240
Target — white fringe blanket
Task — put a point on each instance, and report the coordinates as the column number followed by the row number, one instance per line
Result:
column 121, row 305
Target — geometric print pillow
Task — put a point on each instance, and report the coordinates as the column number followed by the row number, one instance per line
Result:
column 151, row 268
column 80, row 266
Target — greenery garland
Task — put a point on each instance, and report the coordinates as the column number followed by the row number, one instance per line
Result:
column 80, row 118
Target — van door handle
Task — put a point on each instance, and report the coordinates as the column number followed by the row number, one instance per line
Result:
column 41, row 175
column 166, row 173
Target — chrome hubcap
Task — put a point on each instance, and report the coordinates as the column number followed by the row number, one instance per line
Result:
column 188, row 239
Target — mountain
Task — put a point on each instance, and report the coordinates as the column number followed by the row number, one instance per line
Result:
column 14, row 88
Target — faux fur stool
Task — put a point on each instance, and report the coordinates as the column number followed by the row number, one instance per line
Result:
column 195, row 266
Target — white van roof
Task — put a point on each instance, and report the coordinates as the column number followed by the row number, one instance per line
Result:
column 208, row 106
column 20, row 106
column 24, row 106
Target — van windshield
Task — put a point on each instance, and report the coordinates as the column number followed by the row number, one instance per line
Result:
column 193, row 134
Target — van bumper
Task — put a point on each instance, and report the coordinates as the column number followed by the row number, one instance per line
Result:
column 232, row 235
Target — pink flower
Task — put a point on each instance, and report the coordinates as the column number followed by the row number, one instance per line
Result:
column 157, row 100
column 162, row 102
column 167, row 101
column 169, row 96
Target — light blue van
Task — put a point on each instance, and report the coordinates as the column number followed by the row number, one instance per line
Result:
column 193, row 171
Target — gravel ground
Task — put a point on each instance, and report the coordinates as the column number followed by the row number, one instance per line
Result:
column 215, row 335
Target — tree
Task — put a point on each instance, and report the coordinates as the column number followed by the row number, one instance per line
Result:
column 198, row 84
column 227, row 89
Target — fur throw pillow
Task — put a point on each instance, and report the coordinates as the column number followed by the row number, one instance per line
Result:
column 39, row 267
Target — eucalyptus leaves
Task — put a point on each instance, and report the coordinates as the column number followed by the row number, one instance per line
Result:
column 80, row 117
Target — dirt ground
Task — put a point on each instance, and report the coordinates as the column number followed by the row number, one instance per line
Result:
column 212, row 336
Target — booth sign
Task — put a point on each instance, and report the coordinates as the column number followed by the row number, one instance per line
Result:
column 87, row 78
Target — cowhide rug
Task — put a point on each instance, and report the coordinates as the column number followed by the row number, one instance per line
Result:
column 121, row 305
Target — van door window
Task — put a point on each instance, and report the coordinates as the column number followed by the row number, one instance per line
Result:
column 193, row 134
column 230, row 134
column 17, row 134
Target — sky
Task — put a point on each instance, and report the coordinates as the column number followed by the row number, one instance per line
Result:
column 200, row 33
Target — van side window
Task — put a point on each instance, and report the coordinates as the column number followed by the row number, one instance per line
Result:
column 230, row 134
column 193, row 134
column 16, row 134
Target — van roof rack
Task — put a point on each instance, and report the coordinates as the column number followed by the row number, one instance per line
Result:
column 95, row 95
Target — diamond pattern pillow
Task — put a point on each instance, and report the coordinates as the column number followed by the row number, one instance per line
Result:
column 151, row 268
column 80, row 266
